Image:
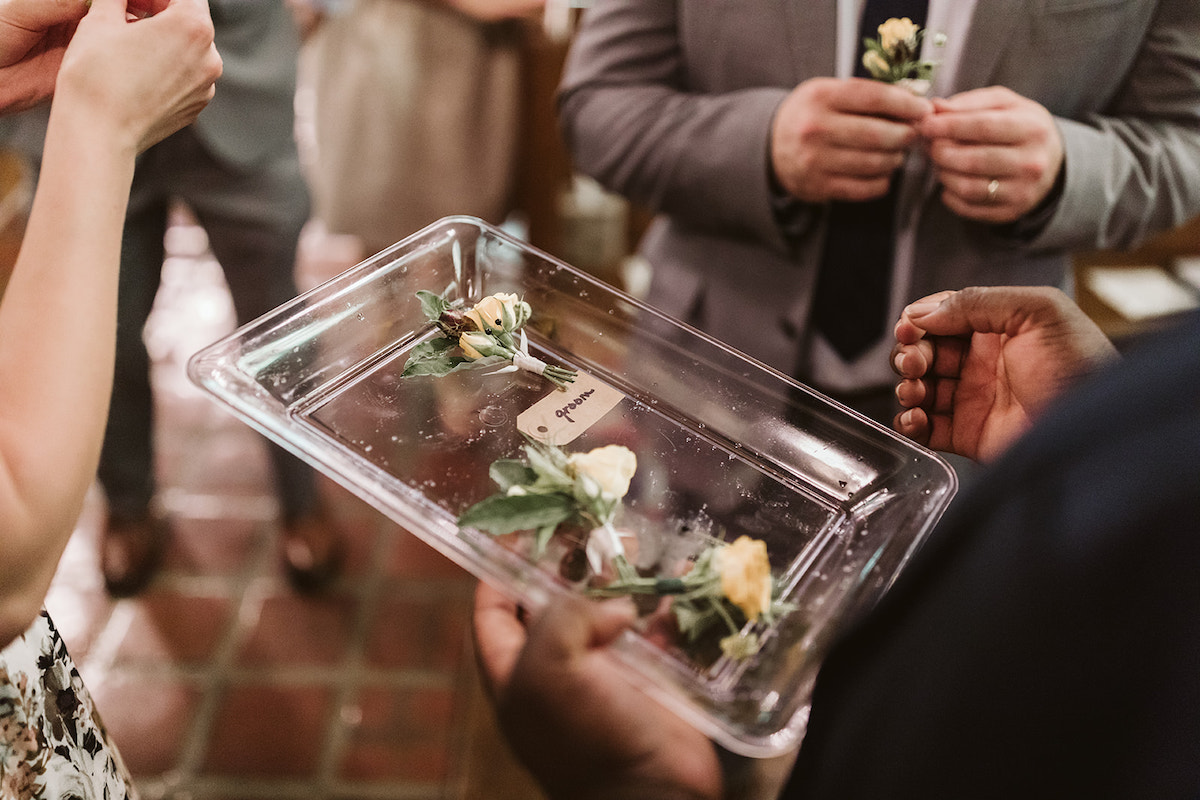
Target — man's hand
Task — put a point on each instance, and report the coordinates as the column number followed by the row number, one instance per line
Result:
column 842, row 139
column 997, row 154
column 979, row 365
column 577, row 724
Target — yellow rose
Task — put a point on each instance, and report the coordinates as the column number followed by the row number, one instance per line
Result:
column 502, row 311
column 476, row 344
column 876, row 64
column 895, row 32
column 611, row 468
column 746, row 575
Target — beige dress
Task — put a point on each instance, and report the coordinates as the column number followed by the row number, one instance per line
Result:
column 415, row 112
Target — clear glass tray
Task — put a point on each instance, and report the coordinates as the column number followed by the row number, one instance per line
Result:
column 725, row 447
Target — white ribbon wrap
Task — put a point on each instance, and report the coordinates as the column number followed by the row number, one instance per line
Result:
column 603, row 545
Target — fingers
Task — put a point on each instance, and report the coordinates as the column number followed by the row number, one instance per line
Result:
column 878, row 99
column 39, row 15
column 108, row 10
column 913, row 423
column 997, row 153
column 499, row 637
column 929, row 430
column 571, row 626
column 562, row 632
column 837, row 139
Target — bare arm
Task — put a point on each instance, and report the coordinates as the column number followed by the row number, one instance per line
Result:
column 122, row 86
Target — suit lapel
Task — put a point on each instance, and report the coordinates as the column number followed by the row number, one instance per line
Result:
column 990, row 26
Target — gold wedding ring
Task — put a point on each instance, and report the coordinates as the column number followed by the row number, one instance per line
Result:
column 993, row 189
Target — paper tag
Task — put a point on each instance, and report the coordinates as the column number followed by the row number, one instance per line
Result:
column 560, row 417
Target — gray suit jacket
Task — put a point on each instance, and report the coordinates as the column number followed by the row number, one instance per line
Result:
column 251, row 117
column 670, row 103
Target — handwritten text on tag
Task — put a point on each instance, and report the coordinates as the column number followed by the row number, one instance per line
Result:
column 560, row 417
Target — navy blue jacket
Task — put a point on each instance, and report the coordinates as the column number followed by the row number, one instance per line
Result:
column 1046, row 640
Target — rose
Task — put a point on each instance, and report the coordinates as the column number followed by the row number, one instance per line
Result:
column 477, row 344
column 609, row 468
column 746, row 575
column 896, row 32
column 876, row 64
column 501, row 311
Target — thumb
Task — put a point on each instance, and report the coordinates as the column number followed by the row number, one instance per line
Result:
column 992, row 309
column 609, row 620
column 110, row 10
column 570, row 628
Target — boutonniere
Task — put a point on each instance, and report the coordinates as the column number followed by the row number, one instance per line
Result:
column 489, row 334
column 728, row 585
column 551, row 487
column 894, row 56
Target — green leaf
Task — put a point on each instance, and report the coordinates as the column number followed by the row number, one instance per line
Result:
column 693, row 621
column 500, row 514
column 432, row 305
column 508, row 472
column 543, row 538
column 550, row 464
column 432, row 358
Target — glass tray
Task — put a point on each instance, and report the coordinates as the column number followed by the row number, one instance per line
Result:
column 725, row 446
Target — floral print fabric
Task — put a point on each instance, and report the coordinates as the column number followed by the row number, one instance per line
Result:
column 52, row 742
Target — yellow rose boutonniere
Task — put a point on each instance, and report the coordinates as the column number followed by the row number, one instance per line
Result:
column 484, row 334
column 728, row 585
column 895, row 56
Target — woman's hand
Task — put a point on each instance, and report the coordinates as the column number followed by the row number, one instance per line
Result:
column 146, row 77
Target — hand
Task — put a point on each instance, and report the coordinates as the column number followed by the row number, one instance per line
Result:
column 997, row 153
column 842, row 139
column 33, row 37
column 979, row 365
column 579, row 726
column 146, row 78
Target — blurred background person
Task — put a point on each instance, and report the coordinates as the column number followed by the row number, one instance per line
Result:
column 415, row 107
column 237, row 169
column 790, row 191
column 118, row 86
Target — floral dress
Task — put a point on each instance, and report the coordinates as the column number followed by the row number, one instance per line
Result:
column 52, row 743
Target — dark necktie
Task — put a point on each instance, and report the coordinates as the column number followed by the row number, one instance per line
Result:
column 851, row 300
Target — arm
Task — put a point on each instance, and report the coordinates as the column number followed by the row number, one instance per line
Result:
column 122, row 86
column 578, row 725
column 978, row 366
column 636, row 119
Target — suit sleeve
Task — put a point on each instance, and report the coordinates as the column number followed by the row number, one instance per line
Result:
column 1134, row 169
column 634, row 121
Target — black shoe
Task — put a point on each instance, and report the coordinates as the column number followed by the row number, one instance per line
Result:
column 131, row 552
column 311, row 551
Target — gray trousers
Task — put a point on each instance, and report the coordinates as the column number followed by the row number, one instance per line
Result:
column 253, row 218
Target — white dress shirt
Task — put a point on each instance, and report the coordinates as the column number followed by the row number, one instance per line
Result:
column 951, row 19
